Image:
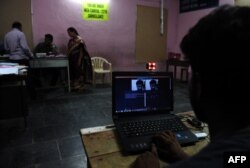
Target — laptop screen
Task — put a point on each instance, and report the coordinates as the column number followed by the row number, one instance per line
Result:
column 142, row 92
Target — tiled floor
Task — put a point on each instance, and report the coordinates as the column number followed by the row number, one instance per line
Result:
column 52, row 138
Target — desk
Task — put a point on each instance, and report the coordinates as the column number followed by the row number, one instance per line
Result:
column 103, row 151
column 60, row 62
column 176, row 63
column 4, row 58
column 13, row 99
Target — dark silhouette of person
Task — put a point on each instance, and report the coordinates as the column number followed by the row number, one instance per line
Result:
column 153, row 85
column 140, row 85
column 219, row 90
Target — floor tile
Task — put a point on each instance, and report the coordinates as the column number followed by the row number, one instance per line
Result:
column 52, row 139
column 34, row 154
column 71, row 162
column 44, row 134
column 6, row 156
column 14, row 136
column 71, row 146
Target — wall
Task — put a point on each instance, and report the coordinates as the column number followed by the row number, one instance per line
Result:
column 242, row 2
column 11, row 11
column 188, row 19
column 114, row 39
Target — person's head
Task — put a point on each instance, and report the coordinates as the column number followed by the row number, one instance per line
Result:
column 140, row 85
column 48, row 39
column 17, row 25
column 72, row 32
column 153, row 84
column 218, row 47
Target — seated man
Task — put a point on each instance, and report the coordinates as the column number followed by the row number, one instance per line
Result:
column 49, row 48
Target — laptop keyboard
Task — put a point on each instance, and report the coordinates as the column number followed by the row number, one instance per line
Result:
column 151, row 127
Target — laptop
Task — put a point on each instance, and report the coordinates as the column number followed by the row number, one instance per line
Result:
column 142, row 103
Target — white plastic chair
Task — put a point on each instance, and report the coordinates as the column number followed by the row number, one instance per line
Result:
column 101, row 66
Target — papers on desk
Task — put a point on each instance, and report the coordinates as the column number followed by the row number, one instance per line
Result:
column 44, row 55
column 8, row 64
column 7, row 68
column 61, row 56
column 41, row 55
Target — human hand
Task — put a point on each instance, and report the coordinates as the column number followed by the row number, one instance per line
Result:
column 168, row 147
column 147, row 159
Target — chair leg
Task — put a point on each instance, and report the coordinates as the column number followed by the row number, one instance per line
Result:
column 93, row 80
column 110, row 75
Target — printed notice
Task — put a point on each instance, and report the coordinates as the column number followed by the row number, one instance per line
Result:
column 191, row 5
column 94, row 10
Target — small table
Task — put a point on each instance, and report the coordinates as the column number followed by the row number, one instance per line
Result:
column 103, row 150
column 55, row 62
column 13, row 99
column 176, row 63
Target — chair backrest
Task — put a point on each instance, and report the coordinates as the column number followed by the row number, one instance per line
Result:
column 97, row 62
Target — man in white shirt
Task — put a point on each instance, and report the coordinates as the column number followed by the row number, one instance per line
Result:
column 16, row 45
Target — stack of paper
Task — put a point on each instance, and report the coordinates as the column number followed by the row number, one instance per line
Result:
column 5, row 70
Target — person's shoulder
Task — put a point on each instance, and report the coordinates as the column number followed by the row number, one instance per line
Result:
column 20, row 33
column 80, row 39
column 6, row 34
column 9, row 32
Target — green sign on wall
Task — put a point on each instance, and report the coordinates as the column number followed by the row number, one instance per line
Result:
column 95, row 10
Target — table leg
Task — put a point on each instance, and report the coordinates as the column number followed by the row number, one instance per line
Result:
column 175, row 71
column 68, row 74
column 167, row 66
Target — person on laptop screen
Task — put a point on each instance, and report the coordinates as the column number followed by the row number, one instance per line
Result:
column 219, row 90
column 153, row 85
column 140, row 85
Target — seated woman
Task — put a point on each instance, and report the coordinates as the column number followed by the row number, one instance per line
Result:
column 79, row 60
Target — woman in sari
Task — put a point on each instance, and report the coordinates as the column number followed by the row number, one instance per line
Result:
column 79, row 60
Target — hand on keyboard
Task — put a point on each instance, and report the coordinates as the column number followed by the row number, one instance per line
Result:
column 168, row 147
column 148, row 159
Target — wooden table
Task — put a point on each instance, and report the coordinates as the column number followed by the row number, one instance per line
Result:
column 52, row 62
column 103, row 150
